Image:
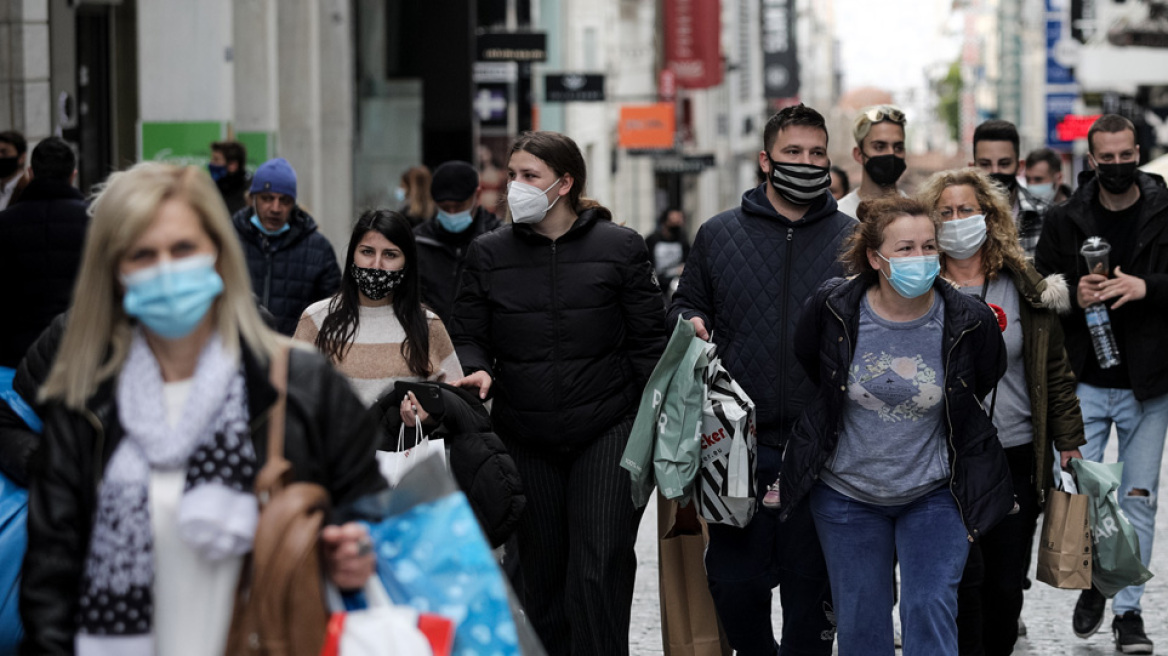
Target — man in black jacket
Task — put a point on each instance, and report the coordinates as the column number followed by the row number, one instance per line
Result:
column 1130, row 210
column 228, row 168
column 292, row 265
column 443, row 241
column 747, row 276
column 41, row 239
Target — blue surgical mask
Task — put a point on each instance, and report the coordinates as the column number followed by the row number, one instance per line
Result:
column 172, row 297
column 1044, row 191
column 456, row 222
column 217, row 171
column 399, row 195
column 255, row 221
column 912, row 276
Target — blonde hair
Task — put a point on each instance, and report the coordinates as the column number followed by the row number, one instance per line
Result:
column 417, row 183
column 98, row 331
column 1001, row 245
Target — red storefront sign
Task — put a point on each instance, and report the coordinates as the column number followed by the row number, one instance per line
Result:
column 693, row 46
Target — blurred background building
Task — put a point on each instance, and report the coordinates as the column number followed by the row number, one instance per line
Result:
column 666, row 98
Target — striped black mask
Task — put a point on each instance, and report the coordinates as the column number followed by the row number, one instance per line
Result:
column 800, row 184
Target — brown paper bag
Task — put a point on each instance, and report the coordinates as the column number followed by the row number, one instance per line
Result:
column 689, row 623
column 1064, row 552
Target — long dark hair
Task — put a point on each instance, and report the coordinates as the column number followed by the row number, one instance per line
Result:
column 562, row 156
column 340, row 326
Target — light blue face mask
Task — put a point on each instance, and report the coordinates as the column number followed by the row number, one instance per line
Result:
column 912, row 276
column 399, row 195
column 172, row 297
column 1044, row 191
column 255, row 221
column 456, row 222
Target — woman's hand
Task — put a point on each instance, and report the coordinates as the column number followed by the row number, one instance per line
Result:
column 479, row 379
column 348, row 555
column 410, row 408
column 1065, row 458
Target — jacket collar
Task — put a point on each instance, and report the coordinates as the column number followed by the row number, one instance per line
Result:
column 584, row 222
column 844, row 300
column 1153, row 202
column 40, row 189
column 756, row 203
column 302, row 225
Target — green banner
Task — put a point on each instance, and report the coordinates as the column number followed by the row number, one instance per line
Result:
column 179, row 142
column 261, row 146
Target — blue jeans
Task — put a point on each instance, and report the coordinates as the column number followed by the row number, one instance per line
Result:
column 859, row 540
column 1141, row 427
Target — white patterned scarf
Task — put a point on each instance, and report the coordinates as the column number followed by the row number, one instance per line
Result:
column 217, row 513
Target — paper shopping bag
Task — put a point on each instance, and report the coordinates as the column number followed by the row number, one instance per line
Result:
column 689, row 623
column 1117, row 563
column 1064, row 549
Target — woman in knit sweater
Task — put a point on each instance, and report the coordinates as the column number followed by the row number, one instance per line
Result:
column 375, row 329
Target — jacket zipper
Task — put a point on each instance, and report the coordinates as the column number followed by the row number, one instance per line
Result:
column 949, row 420
column 785, row 292
column 555, row 324
column 267, row 275
column 98, row 448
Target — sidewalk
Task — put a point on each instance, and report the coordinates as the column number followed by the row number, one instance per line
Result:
column 1047, row 613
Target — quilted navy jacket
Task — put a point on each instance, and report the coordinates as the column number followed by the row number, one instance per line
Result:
column 569, row 329
column 291, row 271
column 748, row 274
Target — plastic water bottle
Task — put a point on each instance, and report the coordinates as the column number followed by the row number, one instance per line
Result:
column 1099, row 323
column 1095, row 250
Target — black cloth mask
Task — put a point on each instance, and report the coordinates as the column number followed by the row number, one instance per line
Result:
column 376, row 284
column 1116, row 178
column 8, row 166
column 1007, row 180
column 885, row 170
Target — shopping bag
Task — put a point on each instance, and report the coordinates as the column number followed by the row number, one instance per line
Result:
column 394, row 464
column 638, row 454
column 689, row 622
column 368, row 623
column 726, row 490
column 432, row 556
column 677, row 454
column 1117, row 562
column 13, row 533
column 1064, row 548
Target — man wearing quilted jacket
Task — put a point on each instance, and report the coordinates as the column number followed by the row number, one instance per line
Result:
column 747, row 276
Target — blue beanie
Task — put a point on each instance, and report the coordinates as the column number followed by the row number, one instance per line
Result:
column 275, row 176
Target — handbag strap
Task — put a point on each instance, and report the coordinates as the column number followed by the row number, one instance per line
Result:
column 276, row 470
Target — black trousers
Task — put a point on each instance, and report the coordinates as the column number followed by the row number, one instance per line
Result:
column 989, row 599
column 744, row 565
column 577, row 544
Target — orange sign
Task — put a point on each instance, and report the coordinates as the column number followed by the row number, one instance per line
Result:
column 647, row 126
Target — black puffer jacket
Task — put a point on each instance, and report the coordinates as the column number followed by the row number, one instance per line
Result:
column 441, row 257
column 233, row 187
column 41, row 238
column 568, row 330
column 975, row 358
column 1141, row 336
column 329, row 438
column 291, row 271
column 748, row 274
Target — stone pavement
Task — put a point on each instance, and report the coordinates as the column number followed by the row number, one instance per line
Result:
column 1047, row 612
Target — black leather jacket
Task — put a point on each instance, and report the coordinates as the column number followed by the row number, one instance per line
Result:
column 329, row 438
column 975, row 358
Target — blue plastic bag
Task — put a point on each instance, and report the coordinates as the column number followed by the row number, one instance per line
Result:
column 432, row 556
column 13, row 531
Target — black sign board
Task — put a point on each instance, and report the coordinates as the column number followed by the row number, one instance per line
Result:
column 512, row 46
column 780, row 59
column 674, row 163
column 573, row 87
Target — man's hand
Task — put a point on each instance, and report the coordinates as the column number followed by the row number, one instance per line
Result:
column 348, row 555
column 479, row 379
column 1090, row 287
column 1123, row 287
column 1065, row 458
column 700, row 328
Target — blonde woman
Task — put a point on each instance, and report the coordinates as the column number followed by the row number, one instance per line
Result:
column 1034, row 405
column 141, row 506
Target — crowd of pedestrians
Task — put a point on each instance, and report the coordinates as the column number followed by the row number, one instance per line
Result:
column 921, row 368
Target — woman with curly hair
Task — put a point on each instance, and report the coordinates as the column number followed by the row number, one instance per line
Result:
column 1033, row 406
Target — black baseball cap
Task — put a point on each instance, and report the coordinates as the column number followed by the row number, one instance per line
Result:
column 453, row 180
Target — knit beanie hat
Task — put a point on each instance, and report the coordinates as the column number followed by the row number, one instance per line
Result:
column 455, row 181
column 275, row 176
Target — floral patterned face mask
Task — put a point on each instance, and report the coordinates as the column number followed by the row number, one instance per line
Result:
column 376, row 284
